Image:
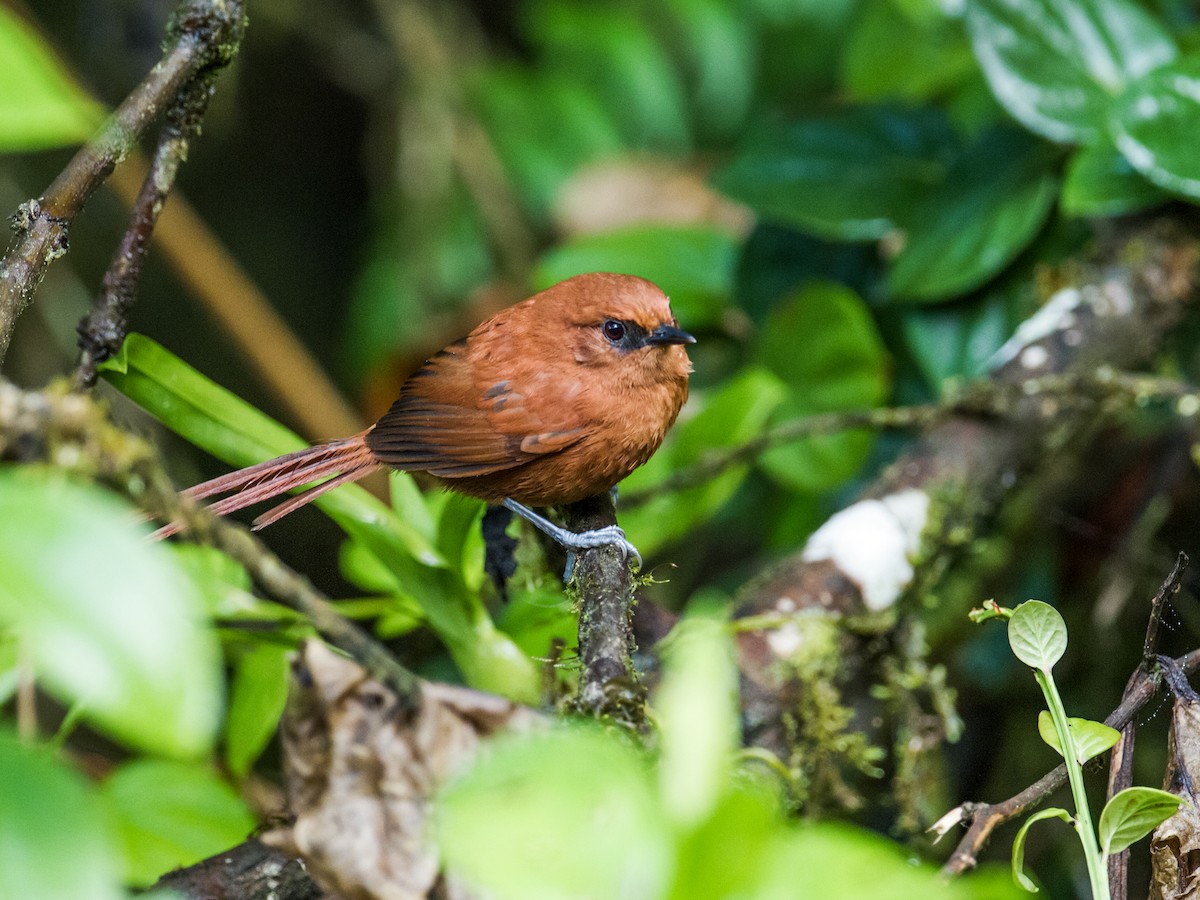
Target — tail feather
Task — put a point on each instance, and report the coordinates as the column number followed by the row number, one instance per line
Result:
column 337, row 461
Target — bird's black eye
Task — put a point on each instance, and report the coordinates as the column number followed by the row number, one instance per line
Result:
column 614, row 330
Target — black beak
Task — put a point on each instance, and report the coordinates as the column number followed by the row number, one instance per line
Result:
column 668, row 334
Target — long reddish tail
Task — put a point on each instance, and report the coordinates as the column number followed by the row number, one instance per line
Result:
column 338, row 461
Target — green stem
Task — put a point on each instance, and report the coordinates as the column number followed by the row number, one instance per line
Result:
column 1097, row 874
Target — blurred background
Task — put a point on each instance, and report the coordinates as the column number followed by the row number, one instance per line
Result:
column 838, row 205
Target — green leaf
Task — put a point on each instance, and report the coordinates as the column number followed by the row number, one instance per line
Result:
column 960, row 341
column 229, row 428
column 1101, row 182
column 988, row 208
column 1018, row 850
column 890, row 54
column 843, row 365
column 170, row 815
column 40, row 105
column 719, row 48
column 693, row 265
column 1132, row 814
column 540, row 815
column 1155, row 126
column 697, row 716
column 1037, row 634
column 727, row 418
column 544, row 126
column 1057, row 65
column 1090, row 738
column 850, row 175
column 54, row 839
column 621, row 63
column 108, row 619
column 260, row 687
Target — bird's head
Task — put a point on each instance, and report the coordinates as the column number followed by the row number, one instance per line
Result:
column 623, row 324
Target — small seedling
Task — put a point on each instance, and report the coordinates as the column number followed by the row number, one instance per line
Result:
column 1038, row 637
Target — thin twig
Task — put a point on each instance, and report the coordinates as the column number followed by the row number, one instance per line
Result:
column 1168, row 589
column 202, row 33
column 102, row 332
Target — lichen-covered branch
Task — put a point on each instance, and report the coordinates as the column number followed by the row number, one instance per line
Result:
column 603, row 585
column 203, row 35
column 909, row 527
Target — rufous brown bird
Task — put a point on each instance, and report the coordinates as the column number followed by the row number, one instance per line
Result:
column 552, row 400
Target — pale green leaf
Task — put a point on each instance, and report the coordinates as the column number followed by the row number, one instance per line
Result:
column 1037, row 634
column 109, row 619
column 1018, row 850
column 1132, row 814
column 54, row 840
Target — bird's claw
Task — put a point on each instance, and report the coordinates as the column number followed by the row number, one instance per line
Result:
column 609, row 535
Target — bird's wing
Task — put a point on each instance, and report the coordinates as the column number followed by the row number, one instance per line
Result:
column 456, row 418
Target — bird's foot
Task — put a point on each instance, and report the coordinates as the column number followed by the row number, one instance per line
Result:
column 574, row 541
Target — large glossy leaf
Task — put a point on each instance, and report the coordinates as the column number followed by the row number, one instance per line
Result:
column 40, row 106
column 1155, row 126
column 959, row 340
column 822, row 343
column 1057, row 65
column 54, row 839
column 1100, row 181
column 989, row 207
column 109, row 620
column 694, row 265
column 848, row 175
column 171, row 814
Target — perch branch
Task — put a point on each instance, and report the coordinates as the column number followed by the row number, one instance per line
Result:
column 202, row 35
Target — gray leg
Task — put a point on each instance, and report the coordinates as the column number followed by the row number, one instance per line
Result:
column 576, row 540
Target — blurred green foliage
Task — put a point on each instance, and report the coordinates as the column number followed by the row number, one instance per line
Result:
column 848, row 202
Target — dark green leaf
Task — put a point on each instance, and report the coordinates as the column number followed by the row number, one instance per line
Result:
column 1155, row 126
column 1018, row 850
column 40, row 106
column 1037, row 634
column 109, row 619
column 693, row 265
column 850, row 175
column 841, row 366
column 260, row 687
column 893, row 54
column 990, row 206
column 1057, row 65
column 1132, row 814
column 1101, row 182
column 54, row 839
column 959, row 341
column 171, row 815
